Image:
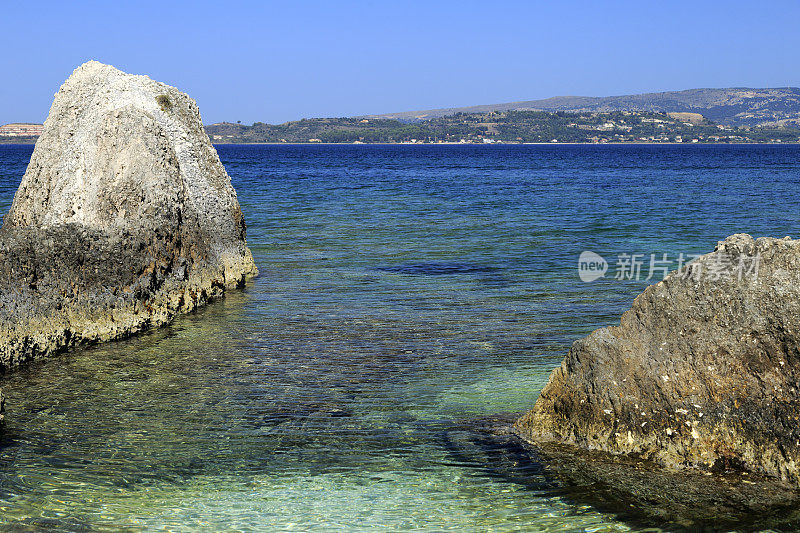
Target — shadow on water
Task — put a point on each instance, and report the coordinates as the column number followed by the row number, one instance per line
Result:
column 438, row 268
column 490, row 447
column 486, row 275
column 634, row 491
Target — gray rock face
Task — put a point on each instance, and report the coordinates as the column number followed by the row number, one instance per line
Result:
column 125, row 217
column 702, row 372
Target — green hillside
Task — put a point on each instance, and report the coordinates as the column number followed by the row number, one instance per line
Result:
column 505, row 126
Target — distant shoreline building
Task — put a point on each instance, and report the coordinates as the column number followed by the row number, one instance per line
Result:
column 21, row 130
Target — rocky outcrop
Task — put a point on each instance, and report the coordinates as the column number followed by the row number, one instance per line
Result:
column 125, row 217
column 702, row 372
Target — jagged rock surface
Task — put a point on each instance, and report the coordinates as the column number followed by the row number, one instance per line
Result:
column 125, row 217
column 702, row 371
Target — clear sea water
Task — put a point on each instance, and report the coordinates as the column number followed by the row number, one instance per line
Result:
column 404, row 290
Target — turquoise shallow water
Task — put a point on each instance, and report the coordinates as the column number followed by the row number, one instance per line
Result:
column 403, row 290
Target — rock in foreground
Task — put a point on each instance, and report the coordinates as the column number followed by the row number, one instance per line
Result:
column 125, row 217
column 703, row 371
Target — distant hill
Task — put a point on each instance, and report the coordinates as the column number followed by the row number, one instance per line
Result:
column 506, row 127
column 738, row 106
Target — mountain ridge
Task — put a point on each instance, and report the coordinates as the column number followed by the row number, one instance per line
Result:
column 733, row 106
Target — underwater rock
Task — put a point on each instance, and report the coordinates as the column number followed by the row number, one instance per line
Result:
column 634, row 490
column 702, row 372
column 124, row 218
column 643, row 494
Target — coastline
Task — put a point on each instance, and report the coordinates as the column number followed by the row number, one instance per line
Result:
column 508, row 144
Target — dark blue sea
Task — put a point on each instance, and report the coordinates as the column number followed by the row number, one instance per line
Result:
column 404, row 291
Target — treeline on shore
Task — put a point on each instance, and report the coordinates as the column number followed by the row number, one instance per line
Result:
column 506, row 127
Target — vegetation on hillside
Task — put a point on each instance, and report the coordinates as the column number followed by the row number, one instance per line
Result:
column 739, row 106
column 504, row 126
column 13, row 139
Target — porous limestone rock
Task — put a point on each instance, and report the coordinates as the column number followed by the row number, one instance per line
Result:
column 702, row 372
column 124, row 218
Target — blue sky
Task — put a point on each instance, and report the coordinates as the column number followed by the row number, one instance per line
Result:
column 279, row 61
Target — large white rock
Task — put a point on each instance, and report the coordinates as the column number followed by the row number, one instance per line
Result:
column 125, row 217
